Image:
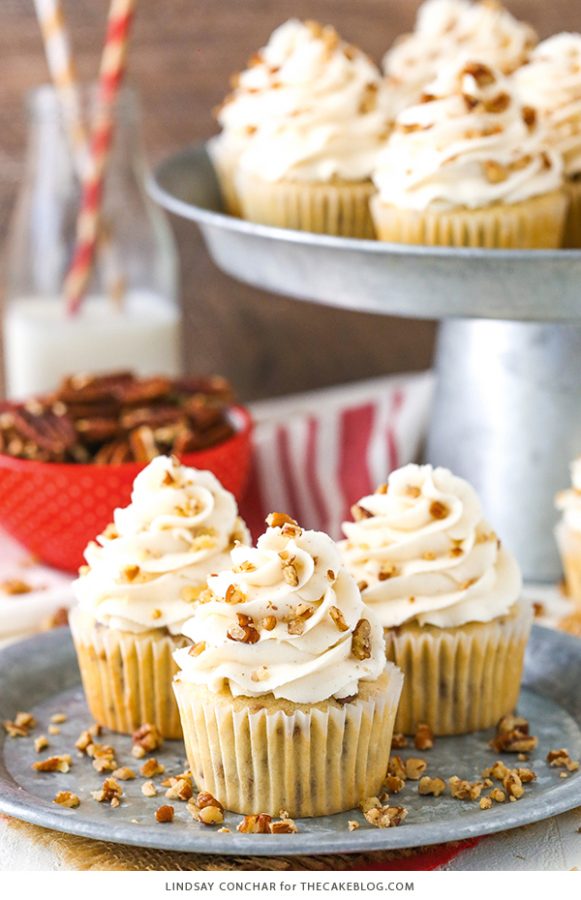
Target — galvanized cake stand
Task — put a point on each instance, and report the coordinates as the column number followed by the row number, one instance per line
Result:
column 507, row 409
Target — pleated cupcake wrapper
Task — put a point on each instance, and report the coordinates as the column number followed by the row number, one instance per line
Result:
column 533, row 224
column 337, row 208
column 225, row 170
column 573, row 224
column 127, row 677
column 569, row 543
column 459, row 680
column 308, row 763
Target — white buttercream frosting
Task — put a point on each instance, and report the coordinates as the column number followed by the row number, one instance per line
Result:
column 309, row 107
column 282, row 621
column 146, row 570
column 470, row 143
column 454, row 30
column 422, row 551
column 569, row 501
column 551, row 82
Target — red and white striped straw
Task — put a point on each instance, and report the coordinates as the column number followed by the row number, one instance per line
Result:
column 113, row 64
column 62, row 70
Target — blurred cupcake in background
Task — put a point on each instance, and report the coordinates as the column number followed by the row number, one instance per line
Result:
column 468, row 166
column 313, row 113
column 568, row 532
column 447, row 593
column 551, row 82
column 449, row 31
column 285, row 696
column 142, row 576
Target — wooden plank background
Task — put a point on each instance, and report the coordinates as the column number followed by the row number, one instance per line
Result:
column 182, row 54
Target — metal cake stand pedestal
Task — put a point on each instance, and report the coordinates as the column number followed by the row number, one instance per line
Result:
column 507, row 408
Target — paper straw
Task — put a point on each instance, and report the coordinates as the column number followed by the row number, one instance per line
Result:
column 62, row 71
column 111, row 76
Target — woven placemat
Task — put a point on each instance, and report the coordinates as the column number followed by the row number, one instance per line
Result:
column 78, row 853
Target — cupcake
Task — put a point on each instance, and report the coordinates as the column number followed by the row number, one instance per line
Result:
column 285, row 698
column 142, row 577
column 568, row 532
column 552, row 83
column 469, row 167
column 313, row 125
column 449, row 31
column 447, row 594
column 254, row 98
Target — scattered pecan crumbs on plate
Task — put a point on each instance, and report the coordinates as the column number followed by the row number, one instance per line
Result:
column 60, row 763
column 110, row 792
column 164, row 814
column 23, row 724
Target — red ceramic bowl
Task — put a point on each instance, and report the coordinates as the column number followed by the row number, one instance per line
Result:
column 55, row 509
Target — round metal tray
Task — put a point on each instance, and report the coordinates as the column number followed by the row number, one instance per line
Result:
column 41, row 676
column 370, row 276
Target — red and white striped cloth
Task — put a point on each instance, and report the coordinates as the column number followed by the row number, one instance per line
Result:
column 316, row 454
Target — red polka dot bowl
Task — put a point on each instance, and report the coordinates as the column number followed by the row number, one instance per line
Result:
column 55, row 509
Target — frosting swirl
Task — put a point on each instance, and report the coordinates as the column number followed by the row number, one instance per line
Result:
column 286, row 619
column 310, row 107
column 569, row 501
column 422, row 551
column 551, row 82
column 148, row 567
column 470, row 143
column 451, row 31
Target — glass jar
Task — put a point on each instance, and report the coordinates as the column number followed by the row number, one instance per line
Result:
column 129, row 318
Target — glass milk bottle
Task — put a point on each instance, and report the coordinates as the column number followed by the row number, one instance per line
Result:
column 129, row 318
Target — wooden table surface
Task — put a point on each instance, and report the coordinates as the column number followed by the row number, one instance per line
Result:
column 182, row 54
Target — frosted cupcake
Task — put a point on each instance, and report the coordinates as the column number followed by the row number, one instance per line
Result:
column 314, row 124
column 568, row 532
column 284, row 695
column 447, row 594
column 142, row 577
column 552, row 83
column 449, row 31
column 253, row 99
column 469, row 167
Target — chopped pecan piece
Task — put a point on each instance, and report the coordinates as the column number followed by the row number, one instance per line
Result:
column 245, row 631
column 383, row 816
column 415, row 768
column 22, row 725
column 148, row 738
column 361, row 641
column 482, row 75
column 234, row 595
column 283, row 826
column 258, row 824
column 394, row 784
column 512, row 736
column 464, row 790
column 399, row 741
column 152, row 767
column 41, row 743
column 180, row 789
column 164, row 814
column 560, row 759
column 396, row 767
column 278, row 519
column 424, row 737
column 438, row 510
column 338, row 618
column 125, row 773
column 148, row 789
column 61, row 763
column 15, row 586
column 432, row 786
column 513, row 785
column 67, row 799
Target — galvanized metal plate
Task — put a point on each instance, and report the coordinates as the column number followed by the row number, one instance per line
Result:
column 370, row 276
column 41, row 675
